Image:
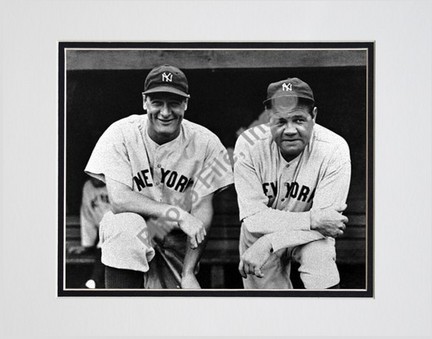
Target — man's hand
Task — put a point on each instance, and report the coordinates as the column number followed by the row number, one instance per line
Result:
column 193, row 227
column 255, row 257
column 329, row 221
column 189, row 281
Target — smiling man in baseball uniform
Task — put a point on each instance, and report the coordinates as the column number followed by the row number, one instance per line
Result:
column 292, row 178
column 161, row 173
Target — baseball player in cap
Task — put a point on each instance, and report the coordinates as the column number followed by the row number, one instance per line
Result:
column 161, row 173
column 292, row 179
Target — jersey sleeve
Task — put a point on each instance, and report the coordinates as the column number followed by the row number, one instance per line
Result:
column 332, row 190
column 257, row 217
column 89, row 228
column 110, row 157
column 216, row 172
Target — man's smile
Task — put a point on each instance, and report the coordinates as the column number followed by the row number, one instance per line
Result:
column 166, row 121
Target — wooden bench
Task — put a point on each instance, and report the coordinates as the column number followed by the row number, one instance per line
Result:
column 222, row 246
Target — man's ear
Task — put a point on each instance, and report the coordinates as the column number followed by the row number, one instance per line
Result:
column 144, row 103
column 270, row 115
column 186, row 104
column 314, row 113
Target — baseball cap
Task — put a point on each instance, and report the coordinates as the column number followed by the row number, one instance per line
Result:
column 289, row 90
column 166, row 78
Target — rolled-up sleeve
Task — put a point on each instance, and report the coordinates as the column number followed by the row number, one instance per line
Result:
column 332, row 190
column 110, row 157
column 216, row 172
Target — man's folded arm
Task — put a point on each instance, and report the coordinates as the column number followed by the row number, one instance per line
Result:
column 257, row 217
column 332, row 191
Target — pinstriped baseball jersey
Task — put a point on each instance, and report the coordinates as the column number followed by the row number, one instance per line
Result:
column 179, row 172
column 317, row 178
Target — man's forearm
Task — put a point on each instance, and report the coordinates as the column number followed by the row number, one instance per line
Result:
column 285, row 239
column 123, row 199
column 271, row 221
column 137, row 203
column 204, row 212
column 192, row 257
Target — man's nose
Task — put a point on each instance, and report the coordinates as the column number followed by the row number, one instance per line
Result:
column 165, row 110
column 290, row 128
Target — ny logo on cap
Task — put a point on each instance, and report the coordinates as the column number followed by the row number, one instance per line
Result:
column 167, row 77
column 286, row 87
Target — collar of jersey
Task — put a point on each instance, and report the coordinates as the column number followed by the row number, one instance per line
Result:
column 292, row 162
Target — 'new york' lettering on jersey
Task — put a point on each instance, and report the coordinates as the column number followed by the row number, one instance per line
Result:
column 169, row 173
column 170, row 178
column 293, row 190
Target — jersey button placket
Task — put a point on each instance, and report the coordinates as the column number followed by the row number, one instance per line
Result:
column 159, row 171
column 158, row 176
column 286, row 176
column 161, row 186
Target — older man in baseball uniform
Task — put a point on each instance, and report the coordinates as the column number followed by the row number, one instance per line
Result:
column 161, row 173
column 292, row 179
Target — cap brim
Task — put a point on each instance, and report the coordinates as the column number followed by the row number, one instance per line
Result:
column 294, row 95
column 167, row 89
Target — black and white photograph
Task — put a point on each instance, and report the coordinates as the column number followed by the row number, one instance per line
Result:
column 216, row 169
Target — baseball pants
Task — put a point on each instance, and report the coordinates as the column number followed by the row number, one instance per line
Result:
column 317, row 269
column 133, row 260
